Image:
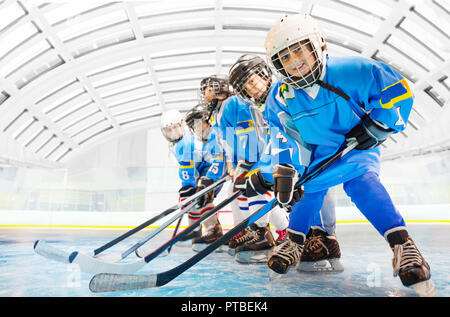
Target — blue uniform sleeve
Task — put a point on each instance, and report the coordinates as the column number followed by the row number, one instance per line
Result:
column 225, row 131
column 184, row 153
column 387, row 95
column 284, row 144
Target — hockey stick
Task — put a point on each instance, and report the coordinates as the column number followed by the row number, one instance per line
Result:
column 46, row 250
column 93, row 265
column 134, row 248
column 175, row 231
column 107, row 282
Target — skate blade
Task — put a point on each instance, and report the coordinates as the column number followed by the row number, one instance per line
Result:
column 425, row 288
column 232, row 251
column 251, row 257
column 329, row 266
column 198, row 247
column 274, row 276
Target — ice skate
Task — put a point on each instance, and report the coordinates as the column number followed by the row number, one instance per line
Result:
column 256, row 249
column 409, row 264
column 239, row 239
column 286, row 254
column 200, row 243
column 187, row 240
column 321, row 253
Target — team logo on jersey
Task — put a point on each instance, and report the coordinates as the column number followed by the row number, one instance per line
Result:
column 286, row 92
column 244, row 126
column 212, row 120
column 395, row 93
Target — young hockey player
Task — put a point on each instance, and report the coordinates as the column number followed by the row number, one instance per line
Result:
column 242, row 131
column 251, row 79
column 332, row 100
column 200, row 165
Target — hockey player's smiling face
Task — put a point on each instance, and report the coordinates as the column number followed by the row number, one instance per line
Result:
column 255, row 86
column 297, row 60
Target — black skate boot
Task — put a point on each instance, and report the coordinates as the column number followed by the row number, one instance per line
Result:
column 286, row 254
column 239, row 239
column 199, row 243
column 257, row 248
column 409, row 264
column 192, row 235
column 321, row 253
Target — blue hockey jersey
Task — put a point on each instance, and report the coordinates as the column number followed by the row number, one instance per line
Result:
column 321, row 121
column 242, row 130
column 197, row 158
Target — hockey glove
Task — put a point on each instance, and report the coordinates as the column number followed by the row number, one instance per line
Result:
column 208, row 198
column 252, row 185
column 285, row 177
column 369, row 134
column 241, row 169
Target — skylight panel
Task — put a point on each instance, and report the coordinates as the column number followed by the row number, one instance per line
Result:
column 22, row 126
column 68, row 102
column 61, row 88
column 435, row 14
column 148, row 8
column 124, row 84
column 80, row 28
column 434, row 42
column 279, row 5
column 413, row 51
column 118, row 66
column 377, row 8
column 11, row 54
column 9, row 15
column 363, row 23
column 65, row 118
column 82, row 120
column 141, row 89
column 93, row 132
column 72, row 11
column 118, row 75
column 101, row 39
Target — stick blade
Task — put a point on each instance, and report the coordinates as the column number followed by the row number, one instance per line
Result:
column 92, row 265
column 107, row 282
column 50, row 252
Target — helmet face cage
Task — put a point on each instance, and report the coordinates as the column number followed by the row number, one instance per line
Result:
column 174, row 132
column 220, row 87
column 294, row 63
column 195, row 120
column 254, row 85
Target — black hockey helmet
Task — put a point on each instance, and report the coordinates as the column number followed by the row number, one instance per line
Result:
column 221, row 88
column 195, row 118
column 245, row 68
column 219, row 84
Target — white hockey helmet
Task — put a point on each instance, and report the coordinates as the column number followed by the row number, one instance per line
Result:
column 296, row 31
column 172, row 125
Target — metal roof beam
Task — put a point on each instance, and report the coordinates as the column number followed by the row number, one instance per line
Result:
column 55, row 41
column 131, row 12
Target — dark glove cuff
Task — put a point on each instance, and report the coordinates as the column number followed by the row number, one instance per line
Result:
column 186, row 191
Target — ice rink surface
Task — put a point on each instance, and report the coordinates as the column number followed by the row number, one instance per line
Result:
column 365, row 256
